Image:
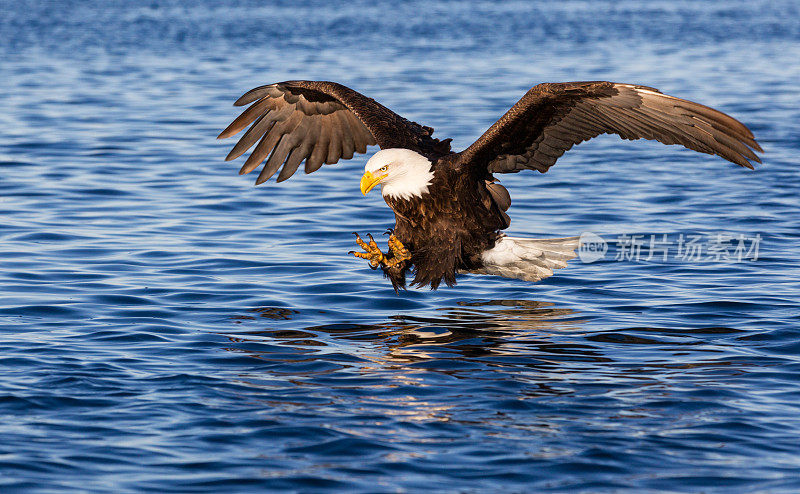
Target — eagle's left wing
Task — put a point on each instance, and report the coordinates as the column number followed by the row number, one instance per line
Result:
column 553, row 117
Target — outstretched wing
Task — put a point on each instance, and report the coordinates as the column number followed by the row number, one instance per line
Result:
column 319, row 122
column 553, row 117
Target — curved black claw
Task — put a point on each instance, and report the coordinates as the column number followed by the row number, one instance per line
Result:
column 389, row 231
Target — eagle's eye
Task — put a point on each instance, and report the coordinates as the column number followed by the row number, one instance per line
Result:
column 384, row 168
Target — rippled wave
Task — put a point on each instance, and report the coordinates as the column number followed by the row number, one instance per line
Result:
column 169, row 327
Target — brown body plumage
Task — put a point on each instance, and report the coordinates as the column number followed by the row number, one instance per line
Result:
column 458, row 219
column 448, row 229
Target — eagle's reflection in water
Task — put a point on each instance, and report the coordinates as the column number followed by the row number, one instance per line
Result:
column 480, row 329
column 532, row 339
column 407, row 365
column 470, row 362
column 493, row 331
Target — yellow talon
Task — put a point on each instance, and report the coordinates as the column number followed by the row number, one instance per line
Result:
column 399, row 252
column 372, row 253
column 360, row 242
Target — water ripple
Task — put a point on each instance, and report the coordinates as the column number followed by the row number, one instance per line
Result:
column 169, row 327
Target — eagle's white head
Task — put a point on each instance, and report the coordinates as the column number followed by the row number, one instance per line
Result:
column 402, row 173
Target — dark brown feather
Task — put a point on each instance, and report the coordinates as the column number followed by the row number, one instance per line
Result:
column 553, row 117
column 449, row 228
column 319, row 122
column 320, row 151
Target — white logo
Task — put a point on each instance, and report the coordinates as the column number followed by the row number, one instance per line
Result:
column 592, row 248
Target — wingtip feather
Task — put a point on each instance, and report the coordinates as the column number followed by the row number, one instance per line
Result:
column 246, row 98
column 226, row 133
column 262, row 178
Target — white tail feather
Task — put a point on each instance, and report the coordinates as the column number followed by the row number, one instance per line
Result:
column 529, row 259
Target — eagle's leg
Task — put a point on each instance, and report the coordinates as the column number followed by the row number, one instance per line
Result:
column 399, row 252
column 371, row 252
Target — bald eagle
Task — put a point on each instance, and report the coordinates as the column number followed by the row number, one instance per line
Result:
column 449, row 209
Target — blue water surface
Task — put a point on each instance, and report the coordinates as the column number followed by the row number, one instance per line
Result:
column 169, row 327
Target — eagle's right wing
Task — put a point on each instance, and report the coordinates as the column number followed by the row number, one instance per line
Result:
column 319, row 122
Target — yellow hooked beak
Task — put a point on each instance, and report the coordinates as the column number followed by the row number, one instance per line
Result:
column 368, row 181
